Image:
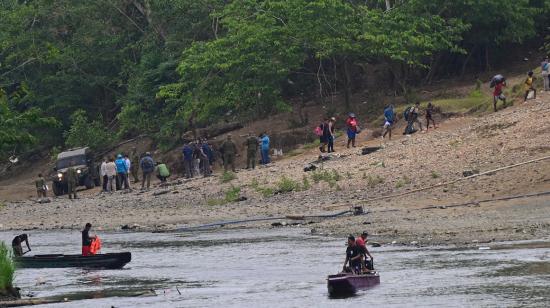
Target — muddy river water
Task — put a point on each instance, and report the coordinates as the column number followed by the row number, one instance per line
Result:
column 285, row 268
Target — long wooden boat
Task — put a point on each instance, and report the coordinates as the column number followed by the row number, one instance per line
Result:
column 343, row 284
column 107, row 261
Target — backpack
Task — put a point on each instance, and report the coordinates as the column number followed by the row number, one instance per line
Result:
column 318, row 130
column 147, row 164
column 407, row 113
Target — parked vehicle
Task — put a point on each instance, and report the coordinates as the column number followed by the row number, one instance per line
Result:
column 80, row 159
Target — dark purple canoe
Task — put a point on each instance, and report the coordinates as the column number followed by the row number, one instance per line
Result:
column 347, row 283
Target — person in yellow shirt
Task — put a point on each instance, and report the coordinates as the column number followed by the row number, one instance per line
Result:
column 529, row 87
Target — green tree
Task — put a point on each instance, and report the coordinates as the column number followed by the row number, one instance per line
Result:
column 87, row 133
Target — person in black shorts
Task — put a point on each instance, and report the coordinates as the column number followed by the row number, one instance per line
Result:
column 353, row 256
column 429, row 116
column 17, row 247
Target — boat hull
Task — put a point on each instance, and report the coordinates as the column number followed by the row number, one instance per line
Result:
column 105, row 261
column 348, row 284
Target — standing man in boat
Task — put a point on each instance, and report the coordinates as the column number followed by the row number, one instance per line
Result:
column 353, row 256
column 87, row 240
column 16, row 244
column 361, row 242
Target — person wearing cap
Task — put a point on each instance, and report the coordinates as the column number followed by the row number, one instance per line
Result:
column 361, row 242
column 352, row 126
column 545, row 72
column 122, row 171
column 147, row 165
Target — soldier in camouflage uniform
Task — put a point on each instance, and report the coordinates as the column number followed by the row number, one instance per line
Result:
column 251, row 151
column 72, row 180
column 229, row 150
column 134, row 168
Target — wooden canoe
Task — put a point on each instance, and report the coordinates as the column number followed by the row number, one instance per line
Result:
column 107, row 261
column 343, row 284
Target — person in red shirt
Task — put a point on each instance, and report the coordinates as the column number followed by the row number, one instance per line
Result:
column 499, row 95
column 351, row 123
column 361, row 242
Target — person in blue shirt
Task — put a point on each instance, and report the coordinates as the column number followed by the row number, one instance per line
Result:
column 389, row 119
column 188, row 160
column 265, row 148
column 122, row 171
column 206, row 157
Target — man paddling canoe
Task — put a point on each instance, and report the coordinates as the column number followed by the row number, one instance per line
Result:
column 87, row 241
column 17, row 247
column 353, row 256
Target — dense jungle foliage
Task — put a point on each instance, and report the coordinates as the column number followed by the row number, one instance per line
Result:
column 91, row 72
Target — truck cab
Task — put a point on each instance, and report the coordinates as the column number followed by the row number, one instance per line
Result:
column 82, row 160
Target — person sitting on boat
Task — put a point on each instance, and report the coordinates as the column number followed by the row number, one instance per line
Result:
column 353, row 256
column 361, row 241
column 17, row 247
column 87, row 240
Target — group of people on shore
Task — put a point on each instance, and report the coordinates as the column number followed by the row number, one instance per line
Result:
column 327, row 129
column 115, row 172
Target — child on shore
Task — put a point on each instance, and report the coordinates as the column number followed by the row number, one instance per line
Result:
column 529, row 87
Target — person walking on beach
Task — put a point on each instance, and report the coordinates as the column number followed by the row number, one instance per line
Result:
column 72, row 179
column 323, row 130
column 545, row 72
column 110, row 171
column 147, row 165
column 229, row 150
column 389, row 118
column 265, row 149
column 331, row 136
column 41, row 187
column 197, row 157
column 206, row 153
column 122, row 171
column 128, row 164
column 187, row 160
column 103, row 174
column 352, row 129
column 135, row 165
column 528, row 85
column 415, row 115
column 251, row 151
column 429, row 116
column 498, row 94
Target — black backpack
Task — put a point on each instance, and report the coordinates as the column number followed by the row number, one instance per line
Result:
column 407, row 113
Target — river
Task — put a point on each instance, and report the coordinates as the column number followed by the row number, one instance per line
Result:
column 284, row 267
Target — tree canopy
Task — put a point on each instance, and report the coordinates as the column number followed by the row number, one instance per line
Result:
column 126, row 67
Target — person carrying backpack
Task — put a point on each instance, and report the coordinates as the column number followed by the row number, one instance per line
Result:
column 324, row 131
column 389, row 119
column 545, row 68
column 498, row 93
column 147, row 165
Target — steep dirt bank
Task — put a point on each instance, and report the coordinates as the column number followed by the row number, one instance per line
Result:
column 513, row 135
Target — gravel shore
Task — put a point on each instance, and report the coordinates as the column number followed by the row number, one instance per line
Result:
column 461, row 146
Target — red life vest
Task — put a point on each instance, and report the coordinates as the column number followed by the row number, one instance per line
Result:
column 95, row 246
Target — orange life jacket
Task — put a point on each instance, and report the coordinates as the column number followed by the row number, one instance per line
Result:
column 95, row 246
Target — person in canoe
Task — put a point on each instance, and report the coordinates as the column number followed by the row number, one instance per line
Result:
column 17, row 246
column 361, row 241
column 88, row 241
column 353, row 256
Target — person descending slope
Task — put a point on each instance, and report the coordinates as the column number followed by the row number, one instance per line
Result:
column 352, row 129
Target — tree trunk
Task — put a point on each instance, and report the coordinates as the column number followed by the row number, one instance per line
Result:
column 347, row 83
column 487, row 62
column 433, row 68
column 388, row 5
column 465, row 64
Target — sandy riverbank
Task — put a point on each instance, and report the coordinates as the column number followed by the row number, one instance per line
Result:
column 514, row 135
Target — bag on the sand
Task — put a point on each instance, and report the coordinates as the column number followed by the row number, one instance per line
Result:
column 496, row 80
column 407, row 113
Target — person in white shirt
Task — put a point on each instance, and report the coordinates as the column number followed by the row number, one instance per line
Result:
column 110, row 170
column 103, row 173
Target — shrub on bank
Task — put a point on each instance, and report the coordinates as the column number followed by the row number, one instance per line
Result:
column 7, row 267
